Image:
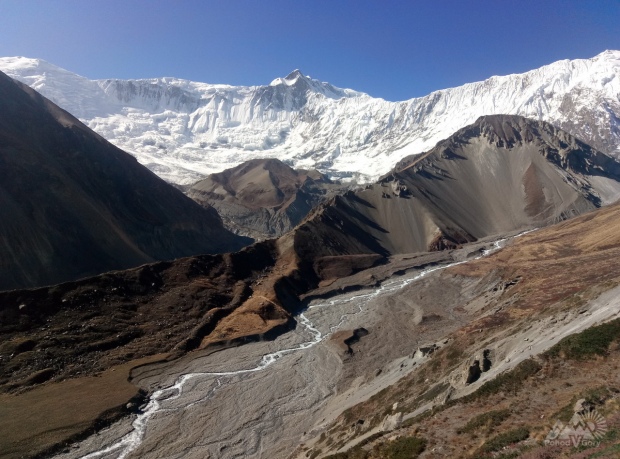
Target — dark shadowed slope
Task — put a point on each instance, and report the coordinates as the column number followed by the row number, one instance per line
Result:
column 263, row 198
column 501, row 174
column 74, row 205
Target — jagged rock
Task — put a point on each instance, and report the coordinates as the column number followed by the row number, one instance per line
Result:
column 582, row 406
column 426, row 350
column 392, row 422
column 447, row 395
column 481, row 363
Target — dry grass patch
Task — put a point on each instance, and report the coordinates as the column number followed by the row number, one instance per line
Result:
column 35, row 420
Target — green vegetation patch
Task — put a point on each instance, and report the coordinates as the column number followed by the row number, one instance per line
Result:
column 591, row 342
column 401, row 448
column 355, row 453
column 405, row 448
column 487, row 420
column 611, row 450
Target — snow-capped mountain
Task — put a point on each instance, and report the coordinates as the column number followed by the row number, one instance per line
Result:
column 183, row 130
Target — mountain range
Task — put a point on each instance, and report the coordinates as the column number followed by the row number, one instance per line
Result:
column 363, row 313
column 184, row 130
column 496, row 176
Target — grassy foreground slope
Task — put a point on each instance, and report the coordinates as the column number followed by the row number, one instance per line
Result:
column 548, row 350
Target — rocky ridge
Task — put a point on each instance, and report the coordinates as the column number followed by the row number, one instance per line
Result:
column 497, row 175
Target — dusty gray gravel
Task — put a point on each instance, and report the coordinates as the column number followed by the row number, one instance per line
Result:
column 262, row 400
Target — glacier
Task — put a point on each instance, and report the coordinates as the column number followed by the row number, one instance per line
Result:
column 183, row 130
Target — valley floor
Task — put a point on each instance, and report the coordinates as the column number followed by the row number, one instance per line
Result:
column 386, row 359
column 238, row 403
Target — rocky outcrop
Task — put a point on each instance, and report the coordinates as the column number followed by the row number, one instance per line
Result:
column 481, row 364
column 391, row 422
column 473, row 372
column 263, row 198
column 345, row 339
column 426, row 350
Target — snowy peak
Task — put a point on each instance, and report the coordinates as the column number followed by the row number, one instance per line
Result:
column 290, row 79
column 292, row 93
column 29, row 66
column 294, row 75
column 304, row 83
column 608, row 54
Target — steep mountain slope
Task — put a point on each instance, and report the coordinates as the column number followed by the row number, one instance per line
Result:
column 498, row 175
column 263, row 198
column 75, row 205
column 184, row 130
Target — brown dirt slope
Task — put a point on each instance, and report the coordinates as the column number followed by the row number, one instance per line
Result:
column 58, row 417
column 86, row 326
column 559, row 261
column 57, row 337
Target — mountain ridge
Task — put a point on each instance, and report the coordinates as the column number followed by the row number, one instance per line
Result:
column 185, row 130
column 463, row 190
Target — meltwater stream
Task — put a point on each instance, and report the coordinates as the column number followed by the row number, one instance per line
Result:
column 132, row 440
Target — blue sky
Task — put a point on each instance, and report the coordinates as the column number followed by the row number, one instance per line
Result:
column 390, row 49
